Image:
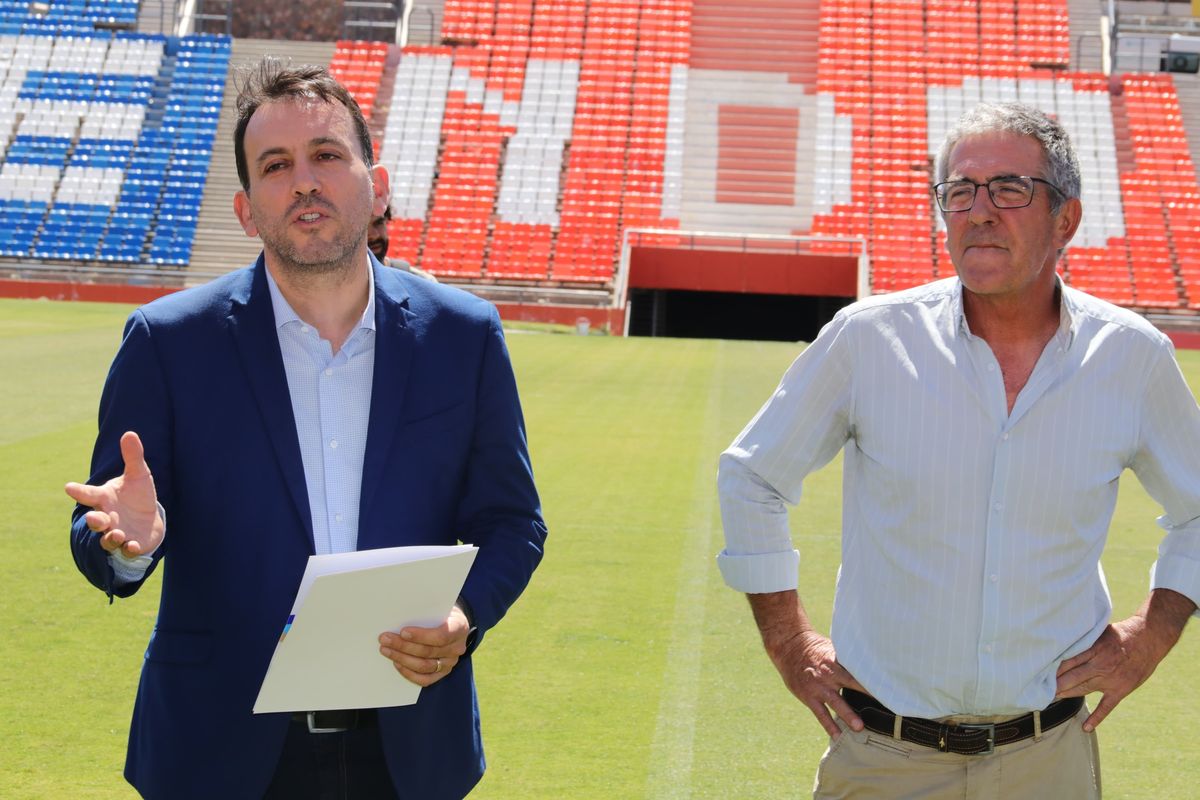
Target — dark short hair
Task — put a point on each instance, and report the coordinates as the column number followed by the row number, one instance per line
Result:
column 270, row 80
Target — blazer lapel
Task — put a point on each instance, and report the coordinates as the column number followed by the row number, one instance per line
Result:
column 252, row 324
column 394, row 348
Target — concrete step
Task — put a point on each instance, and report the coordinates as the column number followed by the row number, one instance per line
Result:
column 156, row 16
column 1084, row 26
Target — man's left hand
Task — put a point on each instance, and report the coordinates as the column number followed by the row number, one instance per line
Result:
column 426, row 655
column 1126, row 653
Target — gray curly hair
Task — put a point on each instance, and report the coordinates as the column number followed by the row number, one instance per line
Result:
column 1062, row 165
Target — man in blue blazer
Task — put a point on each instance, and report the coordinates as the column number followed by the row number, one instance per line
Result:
column 313, row 402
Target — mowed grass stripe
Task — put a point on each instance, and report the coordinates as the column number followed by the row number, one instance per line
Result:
column 671, row 753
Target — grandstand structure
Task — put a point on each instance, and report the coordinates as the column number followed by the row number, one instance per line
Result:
column 569, row 158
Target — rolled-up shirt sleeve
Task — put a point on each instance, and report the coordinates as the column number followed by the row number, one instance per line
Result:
column 1168, row 466
column 800, row 428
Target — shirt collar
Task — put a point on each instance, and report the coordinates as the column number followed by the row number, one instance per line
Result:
column 1068, row 312
column 284, row 313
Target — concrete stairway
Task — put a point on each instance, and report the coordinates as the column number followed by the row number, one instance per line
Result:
column 425, row 22
column 221, row 245
column 156, row 16
column 1085, row 34
column 1187, row 87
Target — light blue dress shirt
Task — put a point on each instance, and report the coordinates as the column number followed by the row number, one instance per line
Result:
column 971, row 536
column 331, row 403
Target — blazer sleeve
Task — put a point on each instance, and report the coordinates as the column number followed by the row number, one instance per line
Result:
column 500, row 512
column 135, row 398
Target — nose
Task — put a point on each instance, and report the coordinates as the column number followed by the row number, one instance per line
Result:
column 982, row 209
column 304, row 178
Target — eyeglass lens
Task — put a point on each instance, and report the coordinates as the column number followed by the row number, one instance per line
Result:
column 1011, row 192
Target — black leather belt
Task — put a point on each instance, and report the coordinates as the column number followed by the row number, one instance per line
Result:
column 335, row 721
column 964, row 739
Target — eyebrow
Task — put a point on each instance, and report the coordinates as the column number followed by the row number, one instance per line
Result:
column 319, row 141
column 958, row 176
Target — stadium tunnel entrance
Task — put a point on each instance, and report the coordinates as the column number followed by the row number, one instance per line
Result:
column 737, row 292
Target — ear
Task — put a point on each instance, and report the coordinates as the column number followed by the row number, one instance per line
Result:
column 381, row 188
column 241, row 207
column 1067, row 222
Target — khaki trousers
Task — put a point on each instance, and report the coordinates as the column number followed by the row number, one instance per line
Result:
column 1064, row 764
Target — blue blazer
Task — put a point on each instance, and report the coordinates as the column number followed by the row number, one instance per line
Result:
column 200, row 378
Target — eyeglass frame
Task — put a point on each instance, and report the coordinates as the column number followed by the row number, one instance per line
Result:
column 938, row 197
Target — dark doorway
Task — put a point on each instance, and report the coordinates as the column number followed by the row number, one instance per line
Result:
column 727, row 315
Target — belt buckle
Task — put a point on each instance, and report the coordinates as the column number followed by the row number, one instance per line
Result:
column 990, row 727
column 311, row 716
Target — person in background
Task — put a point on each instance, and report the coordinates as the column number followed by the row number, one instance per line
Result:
column 377, row 241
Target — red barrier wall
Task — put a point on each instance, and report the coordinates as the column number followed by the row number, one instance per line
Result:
column 755, row 273
column 610, row 319
column 92, row 292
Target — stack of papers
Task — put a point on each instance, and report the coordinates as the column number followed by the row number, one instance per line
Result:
column 328, row 654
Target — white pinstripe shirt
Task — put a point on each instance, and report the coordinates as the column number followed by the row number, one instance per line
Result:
column 971, row 537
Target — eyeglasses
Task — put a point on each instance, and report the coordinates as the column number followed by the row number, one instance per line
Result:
column 1013, row 191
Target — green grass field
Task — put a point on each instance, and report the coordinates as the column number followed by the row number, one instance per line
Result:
column 627, row 670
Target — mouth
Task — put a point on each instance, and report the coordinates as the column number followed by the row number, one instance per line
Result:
column 309, row 213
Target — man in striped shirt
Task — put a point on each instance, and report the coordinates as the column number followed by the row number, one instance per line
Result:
column 985, row 421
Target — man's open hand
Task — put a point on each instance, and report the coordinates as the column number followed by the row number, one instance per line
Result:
column 125, row 509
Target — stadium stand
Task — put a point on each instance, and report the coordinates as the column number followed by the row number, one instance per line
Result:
column 110, row 157
column 359, row 66
column 527, row 138
column 857, row 136
column 67, row 16
column 411, row 141
column 528, row 204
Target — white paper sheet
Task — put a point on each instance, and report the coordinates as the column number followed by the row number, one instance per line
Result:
column 328, row 655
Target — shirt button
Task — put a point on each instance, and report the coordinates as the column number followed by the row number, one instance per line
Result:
column 338, row 518
column 333, row 444
column 995, row 506
column 987, row 648
column 993, row 577
column 328, row 372
column 304, row 329
column 1005, row 437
